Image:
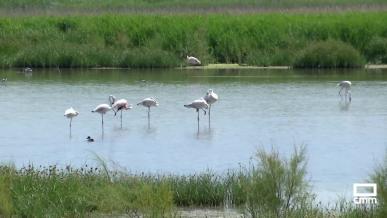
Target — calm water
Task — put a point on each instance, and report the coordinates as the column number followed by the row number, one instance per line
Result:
column 257, row 108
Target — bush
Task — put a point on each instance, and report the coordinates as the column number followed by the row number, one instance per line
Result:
column 329, row 54
column 376, row 51
column 277, row 187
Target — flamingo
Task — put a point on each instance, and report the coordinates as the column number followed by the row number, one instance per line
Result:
column 119, row 105
column 149, row 102
column 3, row 81
column 102, row 109
column 71, row 113
column 193, row 61
column 199, row 104
column 210, row 97
column 27, row 70
column 346, row 85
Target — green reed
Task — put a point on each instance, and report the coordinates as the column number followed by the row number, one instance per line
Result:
column 149, row 41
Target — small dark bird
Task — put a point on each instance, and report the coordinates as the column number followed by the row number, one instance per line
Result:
column 89, row 139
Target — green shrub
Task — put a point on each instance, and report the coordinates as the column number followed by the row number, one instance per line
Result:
column 329, row 54
column 376, row 51
column 277, row 187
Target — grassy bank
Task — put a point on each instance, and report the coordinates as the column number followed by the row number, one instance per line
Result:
column 165, row 40
column 272, row 186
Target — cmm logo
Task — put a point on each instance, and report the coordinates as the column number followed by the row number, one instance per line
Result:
column 363, row 195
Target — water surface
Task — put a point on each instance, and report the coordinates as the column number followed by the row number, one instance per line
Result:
column 257, row 108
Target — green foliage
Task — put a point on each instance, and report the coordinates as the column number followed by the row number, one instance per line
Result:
column 277, row 187
column 165, row 40
column 379, row 176
column 92, row 5
column 376, row 50
column 271, row 187
column 6, row 206
column 329, row 54
column 42, row 192
column 147, row 58
column 200, row 190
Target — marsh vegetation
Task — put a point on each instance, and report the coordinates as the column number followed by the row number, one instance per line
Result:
column 271, row 186
column 164, row 40
column 54, row 7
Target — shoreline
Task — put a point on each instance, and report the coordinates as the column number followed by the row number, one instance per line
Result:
column 208, row 67
column 236, row 67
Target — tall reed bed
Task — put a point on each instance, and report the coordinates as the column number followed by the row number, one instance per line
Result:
column 165, row 40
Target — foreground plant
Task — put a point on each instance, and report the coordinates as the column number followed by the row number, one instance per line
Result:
column 272, row 186
column 277, row 187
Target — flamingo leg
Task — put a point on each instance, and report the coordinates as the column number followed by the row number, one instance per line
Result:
column 121, row 119
column 71, row 119
column 350, row 96
column 197, row 110
column 102, row 119
column 209, row 116
column 148, row 117
column 340, row 91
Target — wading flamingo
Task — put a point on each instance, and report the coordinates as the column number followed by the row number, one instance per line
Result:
column 70, row 114
column 210, row 97
column 119, row 105
column 27, row 70
column 102, row 109
column 193, row 61
column 199, row 104
column 149, row 102
column 3, row 81
column 346, row 85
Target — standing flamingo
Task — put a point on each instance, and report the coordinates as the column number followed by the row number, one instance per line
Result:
column 149, row 102
column 119, row 105
column 346, row 85
column 193, row 61
column 27, row 70
column 70, row 113
column 210, row 97
column 102, row 109
column 199, row 104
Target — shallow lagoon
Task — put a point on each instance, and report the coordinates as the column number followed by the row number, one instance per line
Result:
column 257, row 108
